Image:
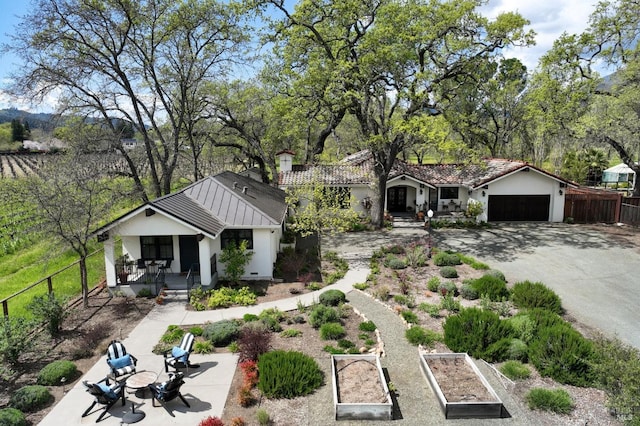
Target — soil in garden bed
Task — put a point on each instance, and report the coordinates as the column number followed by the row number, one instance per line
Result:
column 458, row 381
column 359, row 382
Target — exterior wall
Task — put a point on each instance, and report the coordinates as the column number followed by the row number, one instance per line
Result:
column 526, row 183
column 359, row 193
column 264, row 255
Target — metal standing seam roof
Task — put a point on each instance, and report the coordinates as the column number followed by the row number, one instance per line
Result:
column 226, row 200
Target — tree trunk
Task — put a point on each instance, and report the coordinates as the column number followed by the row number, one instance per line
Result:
column 84, row 282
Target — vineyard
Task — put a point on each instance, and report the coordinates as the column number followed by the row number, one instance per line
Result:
column 18, row 224
column 20, row 165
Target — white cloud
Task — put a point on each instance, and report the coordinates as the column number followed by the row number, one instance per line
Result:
column 548, row 18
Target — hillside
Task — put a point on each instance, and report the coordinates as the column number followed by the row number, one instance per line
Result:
column 42, row 121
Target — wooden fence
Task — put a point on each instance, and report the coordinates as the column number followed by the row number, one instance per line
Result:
column 71, row 271
column 586, row 205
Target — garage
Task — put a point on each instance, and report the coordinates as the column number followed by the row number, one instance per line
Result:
column 523, row 208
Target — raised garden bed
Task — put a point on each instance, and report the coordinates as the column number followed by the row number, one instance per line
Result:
column 461, row 389
column 360, row 390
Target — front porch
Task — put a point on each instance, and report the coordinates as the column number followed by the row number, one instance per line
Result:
column 157, row 281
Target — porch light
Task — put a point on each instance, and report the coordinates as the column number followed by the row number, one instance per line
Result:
column 484, row 193
column 560, row 192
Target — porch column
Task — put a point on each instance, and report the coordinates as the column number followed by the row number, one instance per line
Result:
column 205, row 259
column 109, row 262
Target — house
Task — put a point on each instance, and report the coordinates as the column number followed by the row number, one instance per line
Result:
column 185, row 232
column 508, row 190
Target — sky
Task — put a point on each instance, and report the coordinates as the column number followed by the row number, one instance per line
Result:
column 549, row 19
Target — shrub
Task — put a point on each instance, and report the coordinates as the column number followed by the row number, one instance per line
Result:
column 563, row 354
column 556, row 400
column 272, row 318
column 498, row 351
column 361, row 286
column 263, row 417
column 473, row 330
column 288, row 374
column 382, row 293
column 221, row 333
column 523, row 326
column 518, row 350
column 321, row 314
column 235, row 260
column 332, row 297
column 367, row 326
column 475, row 264
column 53, row 373
column 331, row 331
column 450, row 304
column 49, row 309
column 291, row 332
column 14, row 338
column 496, row 274
column 202, row 347
column 492, row 287
column 616, row 369
column 444, row 258
column 430, row 308
column 409, row 316
column 526, row 294
column 416, row 256
column 433, row 284
column 173, row 334
column 515, row 370
column 12, row 417
column 346, row 344
column 448, row 287
column 250, row 317
column 30, row 398
column 468, row 292
column 421, row 336
column 211, row 421
column 145, row 292
column 254, row 340
column 395, row 263
column 196, row 330
column 449, row 272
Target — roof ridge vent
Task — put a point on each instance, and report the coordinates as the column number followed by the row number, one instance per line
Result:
column 244, row 189
column 235, row 185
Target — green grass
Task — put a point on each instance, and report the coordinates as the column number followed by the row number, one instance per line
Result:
column 38, row 261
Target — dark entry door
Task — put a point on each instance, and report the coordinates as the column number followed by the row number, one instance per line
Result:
column 189, row 252
column 397, row 199
column 507, row 208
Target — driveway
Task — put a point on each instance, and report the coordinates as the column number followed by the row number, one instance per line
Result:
column 595, row 274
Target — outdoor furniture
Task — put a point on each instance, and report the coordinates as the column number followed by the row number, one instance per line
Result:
column 167, row 265
column 140, row 380
column 105, row 394
column 120, row 362
column 178, row 356
column 168, row 391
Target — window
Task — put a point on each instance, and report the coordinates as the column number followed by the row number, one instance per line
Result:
column 337, row 196
column 236, row 236
column 157, row 247
column 449, row 193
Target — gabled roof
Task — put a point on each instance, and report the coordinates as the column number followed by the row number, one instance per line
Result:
column 357, row 169
column 218, row 202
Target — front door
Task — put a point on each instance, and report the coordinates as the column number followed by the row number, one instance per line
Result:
column 189, row 252
column 397, row 199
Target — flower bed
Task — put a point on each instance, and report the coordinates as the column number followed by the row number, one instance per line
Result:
column 360, row 391
column 461, row 389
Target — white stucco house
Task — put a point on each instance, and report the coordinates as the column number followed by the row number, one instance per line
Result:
column 185, row 232
column 508, row 190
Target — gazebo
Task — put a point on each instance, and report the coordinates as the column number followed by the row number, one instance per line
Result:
column 620, row 173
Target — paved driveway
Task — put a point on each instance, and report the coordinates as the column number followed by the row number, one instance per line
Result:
column 596, row 277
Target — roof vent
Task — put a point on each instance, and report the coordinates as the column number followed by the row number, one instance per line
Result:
column 244, row 189
column 235, row 185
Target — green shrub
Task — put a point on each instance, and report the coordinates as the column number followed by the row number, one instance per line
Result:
column 616, row 370
column 394, row 262
column 235, row 258
column 449, row 272
column 433, row 284
column 518, row 350
column 14, row 338
column 12, row 417
column 49, row 309
column 515, row 370
column 416, row 256
column 321, row 314
column 563, row 354
column 450, row 304
column 221, row 333
column 202, row 347
column 263, row 417
column 556, row 400
column 291, row 332
column 361, row 286
column 288, row 374
column 52, row 373
column 475, row 264
column 409, row 316
column 492, row 287
column 196, row 330
column 367, row 326
column 173, row 334
column 145, row 292
column 30, row 398
column 542, row 318
column 448, row 287
column 523, row 326
column 250, row 317
column 473, row 330
column 407, row 300
column 526, row 294
column 346, row 344
column 382, row 293
column 496, row 274
column 468, row 292
column 498, row 351
column 430, row 308
column 422, row 336
column 331, row 331
column 444, row 258
column 332, row 297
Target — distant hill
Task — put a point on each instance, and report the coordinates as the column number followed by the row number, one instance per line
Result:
column 36, row 120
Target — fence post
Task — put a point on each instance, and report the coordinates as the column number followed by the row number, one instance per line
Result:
column 618, row 209
column 50, row 284
column 5, row 308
